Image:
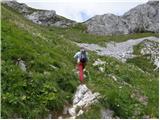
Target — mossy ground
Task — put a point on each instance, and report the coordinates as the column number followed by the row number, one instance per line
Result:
column 42, row 89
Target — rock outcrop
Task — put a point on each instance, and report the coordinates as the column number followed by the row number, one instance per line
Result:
column 107, row 24
column 142, row 18
column 83, row 98
column 42, row 17
column 151, row 48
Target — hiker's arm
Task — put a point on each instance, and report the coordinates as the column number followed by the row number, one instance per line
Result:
column 76, row 57
column 87, row 56
column 78, row 60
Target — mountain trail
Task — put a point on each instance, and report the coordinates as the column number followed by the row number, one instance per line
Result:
column 82, row 99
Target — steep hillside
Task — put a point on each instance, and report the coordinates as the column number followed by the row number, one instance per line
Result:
column 142, row 18
column 39, row 80
column 48, row 81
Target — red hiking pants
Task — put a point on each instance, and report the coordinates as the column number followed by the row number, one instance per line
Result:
column 80, row 67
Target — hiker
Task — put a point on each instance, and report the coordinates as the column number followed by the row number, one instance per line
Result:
column 81, row 59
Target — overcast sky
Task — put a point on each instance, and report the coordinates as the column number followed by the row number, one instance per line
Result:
column 81, row 10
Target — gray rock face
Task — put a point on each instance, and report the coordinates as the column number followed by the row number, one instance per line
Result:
column 42, row 17
column 20, row 7
column 49, row 18
column 106, row 24
column 142, row 18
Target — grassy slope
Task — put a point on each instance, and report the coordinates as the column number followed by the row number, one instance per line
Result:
column 42, row 89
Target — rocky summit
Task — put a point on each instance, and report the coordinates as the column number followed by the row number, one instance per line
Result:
column 142, row 18
column 42, row 17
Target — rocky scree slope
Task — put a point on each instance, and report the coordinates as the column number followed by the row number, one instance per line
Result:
column 42, row 17
column 142, row 18
column 124, row 50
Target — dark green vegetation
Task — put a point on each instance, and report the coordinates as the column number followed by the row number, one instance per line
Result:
column 42, row 89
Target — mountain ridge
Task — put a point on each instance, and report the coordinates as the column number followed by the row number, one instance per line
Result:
column 42, row 17
column 137, row 19
column 142, row 18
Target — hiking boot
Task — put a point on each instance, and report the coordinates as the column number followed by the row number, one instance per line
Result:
column 82, row 82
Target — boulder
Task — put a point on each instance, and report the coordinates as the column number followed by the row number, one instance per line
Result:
column 21, row 65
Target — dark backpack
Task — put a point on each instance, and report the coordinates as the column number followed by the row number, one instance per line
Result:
column 83, row 57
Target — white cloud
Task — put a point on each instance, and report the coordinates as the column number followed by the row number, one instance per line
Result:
column 80, row 1
column 84, row 9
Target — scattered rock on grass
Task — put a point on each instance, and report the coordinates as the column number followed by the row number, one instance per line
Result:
column 140, row 97
column 21, row 64
column 99, row 62
column 107, row 114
